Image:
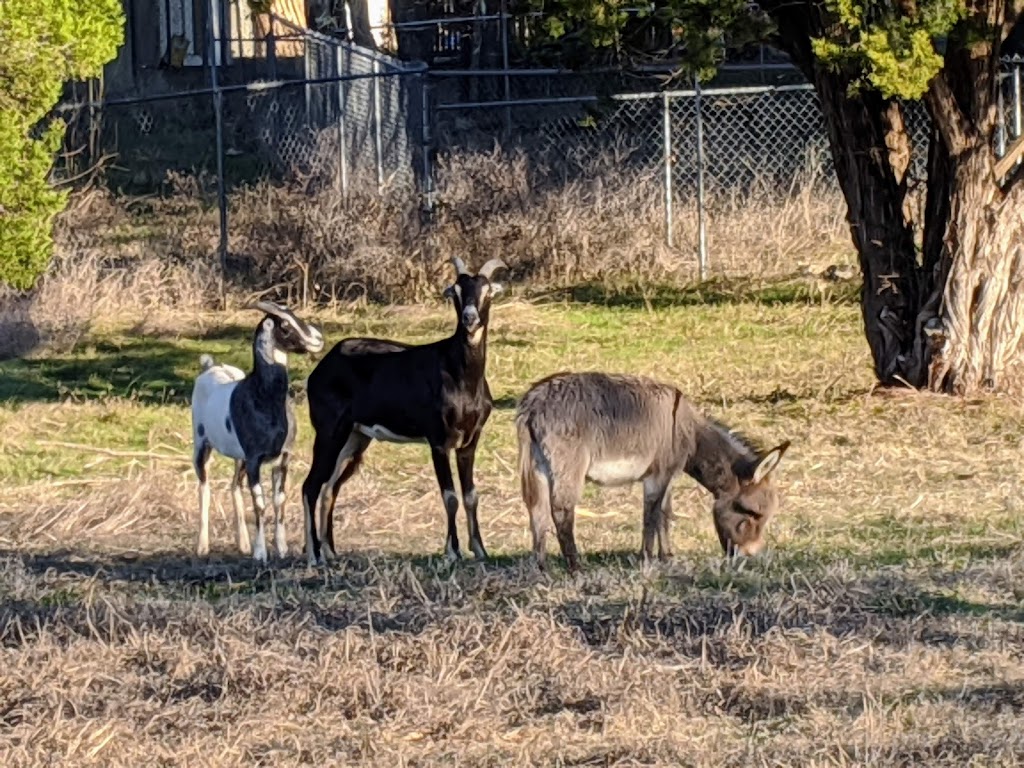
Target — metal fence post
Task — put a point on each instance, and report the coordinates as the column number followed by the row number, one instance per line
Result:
column 307, row 69
column 218, row 117
column 667, row 144
column 1001, row 109
column 378, row 140
column 702, row 243
column 342, row 143
column 426, row 140
column 1017, row 106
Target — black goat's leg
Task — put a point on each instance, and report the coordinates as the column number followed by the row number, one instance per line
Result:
column 464, row 459
column 326, row 447
column 278, row 481
column 201, row 463
column 348, row 461
column 259, row 503
column 443, row 470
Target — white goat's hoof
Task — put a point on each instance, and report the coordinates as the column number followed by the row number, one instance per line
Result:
column 478, row 551
column 202, row 549
column 282, row 550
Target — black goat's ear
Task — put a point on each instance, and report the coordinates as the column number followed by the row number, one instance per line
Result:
column 449, row 292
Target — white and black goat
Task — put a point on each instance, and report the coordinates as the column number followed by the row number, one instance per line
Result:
column 250, row 418
column 373, row 389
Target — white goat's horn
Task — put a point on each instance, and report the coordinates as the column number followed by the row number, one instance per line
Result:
column 269, row 307
column 460, row 266
column 488, row 269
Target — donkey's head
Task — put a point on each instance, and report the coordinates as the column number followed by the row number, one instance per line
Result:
column 288, row 332
column 471, row 294
column 742, row 514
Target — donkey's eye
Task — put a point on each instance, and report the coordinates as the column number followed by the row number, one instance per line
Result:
column 746, row 511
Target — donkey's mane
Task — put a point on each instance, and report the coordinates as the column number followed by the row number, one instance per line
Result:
column 742, row 441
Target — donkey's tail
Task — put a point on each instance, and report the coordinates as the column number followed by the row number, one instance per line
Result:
column 534, row 477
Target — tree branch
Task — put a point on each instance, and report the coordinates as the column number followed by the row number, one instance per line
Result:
column 1013, row 153
column 948, row 116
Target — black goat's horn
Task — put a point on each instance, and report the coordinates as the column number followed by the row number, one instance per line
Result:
column 488, row 269
column 460, row 266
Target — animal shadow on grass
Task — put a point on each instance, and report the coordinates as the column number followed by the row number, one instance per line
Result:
column 152, row 371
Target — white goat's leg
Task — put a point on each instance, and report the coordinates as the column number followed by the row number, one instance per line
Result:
column 201, row 462
column 278, row 478
column 259, row 547
column 239, row 503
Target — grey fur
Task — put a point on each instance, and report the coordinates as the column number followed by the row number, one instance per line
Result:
column 618, row 429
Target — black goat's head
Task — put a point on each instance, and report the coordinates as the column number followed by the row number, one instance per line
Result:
column 289, row 332
column 471, row 294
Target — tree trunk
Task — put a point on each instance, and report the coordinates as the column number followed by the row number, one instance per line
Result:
column 951, row 319
column 982, row 314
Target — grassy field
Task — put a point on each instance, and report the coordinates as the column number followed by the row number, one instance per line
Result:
column 882, row 627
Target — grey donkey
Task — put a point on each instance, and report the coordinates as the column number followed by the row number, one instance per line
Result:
column 615, row 430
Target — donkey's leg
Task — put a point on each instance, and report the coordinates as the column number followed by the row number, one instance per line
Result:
column 236, row 500
column 568, row 468
column 443, row 470
column 252, row 471
column 326, row 448
column 348, row 461
column 201, row 462
column 278, row 481
column 537, row 495
column 464, row 459
column 655, row 490
column 664, row 537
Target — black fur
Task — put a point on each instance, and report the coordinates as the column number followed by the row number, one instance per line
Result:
column 433, row 392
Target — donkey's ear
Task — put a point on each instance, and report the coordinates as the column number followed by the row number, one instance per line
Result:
column 768, row 462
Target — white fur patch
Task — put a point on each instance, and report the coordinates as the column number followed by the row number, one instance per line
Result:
column 257, row 495
column 476, row 336
column 280, row 540
column 280, row 356
column 618, row 471
column 279, row 499
column 450, row 500
column 470, row 499
column 259, row 549
column 377, row 432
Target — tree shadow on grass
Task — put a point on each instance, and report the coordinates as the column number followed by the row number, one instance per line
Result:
column 695, row 608
column 710, row 293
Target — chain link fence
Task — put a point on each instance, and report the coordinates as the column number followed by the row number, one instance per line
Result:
column 338, row 120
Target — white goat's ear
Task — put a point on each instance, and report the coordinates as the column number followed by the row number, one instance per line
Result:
column 768, row 462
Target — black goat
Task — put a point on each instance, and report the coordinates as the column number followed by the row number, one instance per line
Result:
column 373, row 389
column 250, row 419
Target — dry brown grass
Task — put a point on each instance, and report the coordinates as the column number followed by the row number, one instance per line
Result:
column 882, row 628
column 302, row 241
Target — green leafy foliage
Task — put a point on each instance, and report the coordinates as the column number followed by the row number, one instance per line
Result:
column 44, row 44
column 889, row 46
column 696, row 32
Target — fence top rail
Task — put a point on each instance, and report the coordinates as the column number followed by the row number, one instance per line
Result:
column 333, row 42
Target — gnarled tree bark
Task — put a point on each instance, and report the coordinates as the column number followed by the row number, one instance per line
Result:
column 952, row 316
